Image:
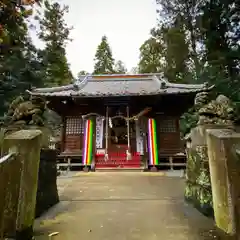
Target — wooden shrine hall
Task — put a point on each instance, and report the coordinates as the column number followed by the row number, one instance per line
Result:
column 121, row 120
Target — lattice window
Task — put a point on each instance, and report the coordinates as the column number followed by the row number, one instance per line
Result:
column 168, row 125
column 74, row 125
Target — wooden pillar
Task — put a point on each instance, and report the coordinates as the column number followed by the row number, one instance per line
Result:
column 128, row 128
column 139, row 137
column 63, row 136
column 128, row 136
column 146, row 154
column 106, row 135
column 137, row 131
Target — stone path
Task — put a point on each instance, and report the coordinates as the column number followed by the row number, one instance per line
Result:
column 123, row 206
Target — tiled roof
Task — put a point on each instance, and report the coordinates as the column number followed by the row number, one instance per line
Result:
column 118, row 85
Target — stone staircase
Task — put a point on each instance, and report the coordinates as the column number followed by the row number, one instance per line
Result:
column 118, row 161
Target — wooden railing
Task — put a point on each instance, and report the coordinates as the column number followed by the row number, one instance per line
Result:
column 18, row 183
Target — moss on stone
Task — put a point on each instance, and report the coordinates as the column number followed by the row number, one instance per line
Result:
column 27, row 144
column 198, row 184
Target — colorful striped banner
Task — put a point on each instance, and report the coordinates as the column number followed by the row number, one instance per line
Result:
column 152, row 142
column 88, row 143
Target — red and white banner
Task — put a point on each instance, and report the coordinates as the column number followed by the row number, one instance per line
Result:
column 99, row 132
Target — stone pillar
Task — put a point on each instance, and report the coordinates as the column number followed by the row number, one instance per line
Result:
column 224, row 167
column 23, row 182
column 198, row 183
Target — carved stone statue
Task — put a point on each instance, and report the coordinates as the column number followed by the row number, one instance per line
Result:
column 218, row 111
column 201, row 99
column 26, row 111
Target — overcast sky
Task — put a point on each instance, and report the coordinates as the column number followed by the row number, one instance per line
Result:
column 126, row 23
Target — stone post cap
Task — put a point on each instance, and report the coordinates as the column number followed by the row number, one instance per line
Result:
column 24, row 134
column 223, row 133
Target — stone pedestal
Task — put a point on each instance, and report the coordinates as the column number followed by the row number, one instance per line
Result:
column 153, row 169
column 86, row 169
column 47, row 193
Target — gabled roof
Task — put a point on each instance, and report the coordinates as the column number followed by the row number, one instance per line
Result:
column 119, row 85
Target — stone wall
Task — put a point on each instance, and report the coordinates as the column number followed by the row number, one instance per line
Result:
column 198, row 185
column 47, row 193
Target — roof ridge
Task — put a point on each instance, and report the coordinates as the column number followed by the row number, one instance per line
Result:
column 54, row 89
column 79, row 84
column 163, row 83
column 122, row 79
column 188, row 86
column 122, row 74
column 116, row 78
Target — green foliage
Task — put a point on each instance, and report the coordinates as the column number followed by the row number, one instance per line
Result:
column 120, row 67
column 186, row 14
column 212, row 33
column 177, row 54
column 53, row 122
column 135, row 70
column 55, row 34
column 188, row 121
column 198, row 184
column 19, row 63
column 166, row 51
column 13, row 10
column 151, row 56
column 221, row 38
column 82, row 72
column 202, row 40
column 104, row 61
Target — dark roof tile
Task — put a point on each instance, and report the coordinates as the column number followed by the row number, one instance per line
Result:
column 119, row 85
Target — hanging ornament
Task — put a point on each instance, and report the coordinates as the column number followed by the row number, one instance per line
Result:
column 110, row 123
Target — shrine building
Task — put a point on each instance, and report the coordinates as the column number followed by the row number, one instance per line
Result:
column 121, row 120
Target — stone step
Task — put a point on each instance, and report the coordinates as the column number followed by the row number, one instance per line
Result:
column 98, row 166
column 115, row 169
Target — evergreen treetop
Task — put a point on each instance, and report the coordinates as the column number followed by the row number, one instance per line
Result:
column 104, row 61
column 120, row 67
column 55, row 34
